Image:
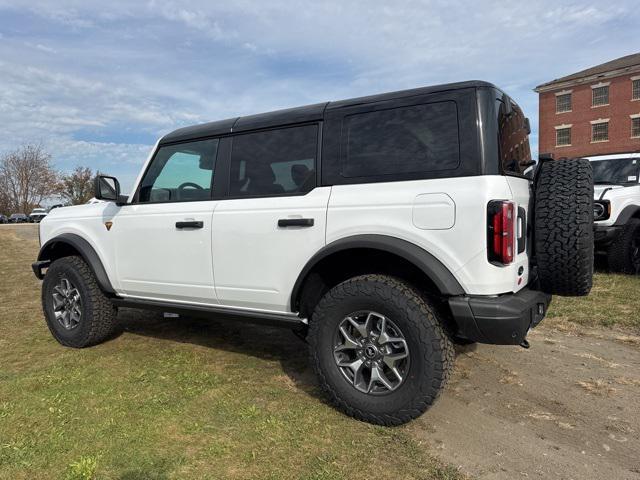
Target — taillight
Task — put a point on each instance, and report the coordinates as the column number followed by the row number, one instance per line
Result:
column 500, row 231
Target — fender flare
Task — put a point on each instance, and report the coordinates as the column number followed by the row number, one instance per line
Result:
column 626, row 214
column 87, row 252
column 444, row 280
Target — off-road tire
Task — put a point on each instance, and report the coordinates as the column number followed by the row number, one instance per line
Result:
column 563, row 227
column 621, row 253
column 98, row 320
column 431, row 351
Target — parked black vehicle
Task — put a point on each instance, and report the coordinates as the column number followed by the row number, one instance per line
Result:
column 18, row 218
column 3, row 219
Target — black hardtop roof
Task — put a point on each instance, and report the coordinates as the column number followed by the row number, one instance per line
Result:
column 308, row 113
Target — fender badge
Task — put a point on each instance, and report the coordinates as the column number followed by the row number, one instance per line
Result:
column 108, row 225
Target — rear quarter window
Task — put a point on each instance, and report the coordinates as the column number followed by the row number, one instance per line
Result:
column 513, row 140
column 403, row 140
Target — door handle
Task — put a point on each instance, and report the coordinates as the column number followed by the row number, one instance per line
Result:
column 295, row 222
column 189, row 224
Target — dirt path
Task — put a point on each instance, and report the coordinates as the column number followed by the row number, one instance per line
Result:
column 568, row 408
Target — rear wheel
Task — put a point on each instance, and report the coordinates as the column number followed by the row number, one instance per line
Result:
column 379, row 350
column 563, row 227
column 624, row 254
column 77, row 312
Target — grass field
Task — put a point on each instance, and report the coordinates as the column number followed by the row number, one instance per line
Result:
column 174, row 398
column 614, row 301
column 179, row 398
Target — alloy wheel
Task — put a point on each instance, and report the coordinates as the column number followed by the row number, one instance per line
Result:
column 371, row 352
column 67, row 304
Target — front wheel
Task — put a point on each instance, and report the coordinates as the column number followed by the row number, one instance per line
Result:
column 624, row 253
column 77, row 312
column 379, row 350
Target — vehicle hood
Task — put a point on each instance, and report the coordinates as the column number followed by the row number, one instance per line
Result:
column 598, row 189
column 78, row 211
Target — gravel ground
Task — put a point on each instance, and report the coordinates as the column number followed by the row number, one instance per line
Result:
column 565, row 409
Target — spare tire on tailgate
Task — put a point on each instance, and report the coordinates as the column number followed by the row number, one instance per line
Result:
column 563, row 226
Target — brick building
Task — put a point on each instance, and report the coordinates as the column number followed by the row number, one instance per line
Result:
column 592, row 112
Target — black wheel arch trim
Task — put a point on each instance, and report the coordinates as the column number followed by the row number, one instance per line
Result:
column 86, row 251
column 627, row 213
column 426, row 262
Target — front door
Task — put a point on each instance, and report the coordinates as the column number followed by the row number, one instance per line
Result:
column 273, row 221
column 163, row 246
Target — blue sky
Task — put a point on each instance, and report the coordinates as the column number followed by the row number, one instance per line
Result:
column 98, row 82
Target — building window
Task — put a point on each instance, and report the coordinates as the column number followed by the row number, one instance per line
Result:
column 635, row 127
column 563, row 103
column 635, row 89
column 600, row 132
column 600, row 96
column 563, row 137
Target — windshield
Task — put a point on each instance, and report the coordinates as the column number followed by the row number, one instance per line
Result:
column 616, row 171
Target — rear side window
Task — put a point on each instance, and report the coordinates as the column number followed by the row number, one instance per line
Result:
column 274, row 162
column 419, row 138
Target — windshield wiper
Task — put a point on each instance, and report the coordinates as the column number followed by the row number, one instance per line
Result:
column 604, row 182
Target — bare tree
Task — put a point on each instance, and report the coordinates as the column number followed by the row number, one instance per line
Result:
column 5, row 202
column 27, row 178
column 77, row 187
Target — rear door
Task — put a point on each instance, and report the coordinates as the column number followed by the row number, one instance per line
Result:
column 163, row 239
column 273, row 218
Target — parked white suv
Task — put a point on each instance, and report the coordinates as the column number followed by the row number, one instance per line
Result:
column 384, row 229
column 617, row 210
column 37, row 214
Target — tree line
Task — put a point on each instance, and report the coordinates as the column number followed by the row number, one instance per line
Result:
column 27, row 178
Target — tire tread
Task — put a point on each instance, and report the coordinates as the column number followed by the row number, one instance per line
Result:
column 441, row 354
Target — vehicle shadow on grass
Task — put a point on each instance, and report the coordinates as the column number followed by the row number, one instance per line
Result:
column 259, row 341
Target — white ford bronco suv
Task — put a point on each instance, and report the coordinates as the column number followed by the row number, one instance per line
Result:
column 384, row 229
column 617, row 210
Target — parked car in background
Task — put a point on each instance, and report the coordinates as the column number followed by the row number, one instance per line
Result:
column 37, row 214
column 3, row 219
column 616, row 210
column 18, row 218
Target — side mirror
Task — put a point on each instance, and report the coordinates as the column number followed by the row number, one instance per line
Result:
column 527, row 126
column 107, row 188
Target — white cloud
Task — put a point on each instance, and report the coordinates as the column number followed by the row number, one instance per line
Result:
column 99, row 81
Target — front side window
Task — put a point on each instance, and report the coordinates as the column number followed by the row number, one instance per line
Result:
column 513, row 139
column 563, row 103
column 600, row 96
column 180, row 173
column 563, row 137
column 600, row 132
column 274, row 162
column 415, row 139
column 635, row 89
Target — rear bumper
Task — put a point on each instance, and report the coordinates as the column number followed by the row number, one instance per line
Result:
column 501, row 320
